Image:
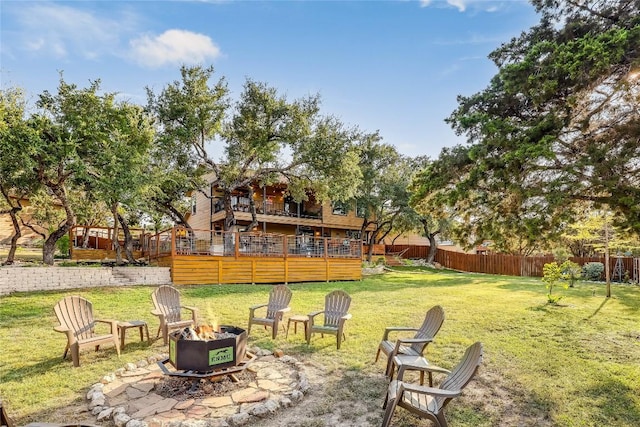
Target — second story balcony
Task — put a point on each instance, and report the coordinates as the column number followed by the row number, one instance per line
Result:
column 302, row 210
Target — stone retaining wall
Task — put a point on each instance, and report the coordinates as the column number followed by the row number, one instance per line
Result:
column 26, row 279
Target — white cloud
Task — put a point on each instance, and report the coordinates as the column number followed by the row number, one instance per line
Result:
column 174, row 47
column 461, row 5
column 61, row 31
column 464, row 5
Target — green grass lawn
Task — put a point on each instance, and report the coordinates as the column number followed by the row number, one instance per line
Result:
column 574, row 364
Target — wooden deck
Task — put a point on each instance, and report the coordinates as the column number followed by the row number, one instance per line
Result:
column 208, row 269
column 204, row 257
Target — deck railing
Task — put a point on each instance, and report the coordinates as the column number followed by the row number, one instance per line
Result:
column 91, row 237
column 182, row 241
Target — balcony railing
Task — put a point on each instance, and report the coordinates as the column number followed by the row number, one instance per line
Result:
column 289, row 209
column 181, row 241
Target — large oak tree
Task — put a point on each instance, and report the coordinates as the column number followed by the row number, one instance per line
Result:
column 558, row 125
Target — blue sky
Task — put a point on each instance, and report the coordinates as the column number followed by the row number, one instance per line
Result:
column 392, row 66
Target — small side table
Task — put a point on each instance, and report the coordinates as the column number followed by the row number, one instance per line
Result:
column 416, row 363
column 140, row 324
column 298, row 318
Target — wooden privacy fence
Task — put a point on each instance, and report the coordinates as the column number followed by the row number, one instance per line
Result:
column 509, row 265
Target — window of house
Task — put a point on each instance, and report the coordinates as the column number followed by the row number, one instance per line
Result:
column 193, row 205
column 353, row 234
column 339, row 208
column 361, row 210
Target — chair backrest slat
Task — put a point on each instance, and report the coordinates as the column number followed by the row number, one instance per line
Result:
column 336, row 305
column 463, row 372
column 279, row 298
column 76, row 313
column 167, row 300
column 432, row 323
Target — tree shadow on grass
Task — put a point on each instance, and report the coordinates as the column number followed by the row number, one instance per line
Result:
column 39, row 368
column 598, row 309
column 616, row 402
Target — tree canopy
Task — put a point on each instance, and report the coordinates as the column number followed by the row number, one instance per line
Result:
column 557, row 125
column 264, row 137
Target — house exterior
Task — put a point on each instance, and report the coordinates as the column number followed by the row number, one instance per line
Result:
column 277, row 213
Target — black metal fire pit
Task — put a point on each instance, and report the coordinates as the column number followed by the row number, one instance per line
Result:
column 210, row 358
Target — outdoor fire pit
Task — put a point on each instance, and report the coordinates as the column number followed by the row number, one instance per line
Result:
column 202, row 358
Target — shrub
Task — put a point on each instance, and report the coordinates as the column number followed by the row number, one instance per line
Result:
column 560, row 255
column 593, row 270
column 63, row 245
column 552, row 274
column 571, row 272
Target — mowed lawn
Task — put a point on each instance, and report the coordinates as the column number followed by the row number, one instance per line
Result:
column 572, row 364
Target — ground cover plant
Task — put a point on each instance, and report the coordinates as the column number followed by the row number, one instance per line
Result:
column 569, row 364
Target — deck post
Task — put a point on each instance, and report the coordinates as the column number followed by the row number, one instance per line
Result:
column 326, row 258
column 237, row 244
column 173, row 242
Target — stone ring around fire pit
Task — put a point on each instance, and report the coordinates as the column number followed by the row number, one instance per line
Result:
column 140, row 395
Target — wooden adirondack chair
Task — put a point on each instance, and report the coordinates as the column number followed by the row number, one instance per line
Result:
column 166, row 300
column 429, row 402
column 411, row 346
column 75, row 315
column 336, row 307
column 4, row 418
column 278, row 304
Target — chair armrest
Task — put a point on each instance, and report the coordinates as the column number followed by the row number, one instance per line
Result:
column 71, row 338
column 284, row 310
column 113, row 323
column 194, row 313
column 389, row 329
column 194, row 309
column 414, row 341
column 404, row 341
column 427, row 368
column 315, row 313
column 437, row 392
column 253, row 308
column 105, row 320
column 157, row 313
column 313, row 316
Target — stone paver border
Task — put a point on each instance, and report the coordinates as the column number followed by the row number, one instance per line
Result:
column 126, row 398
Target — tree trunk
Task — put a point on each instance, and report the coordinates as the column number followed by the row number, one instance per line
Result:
column 85, row 238
column 371, row 243
column 13, row 213
column 229, row 218
column 115, row 244
column 168, row 209
column 128, row 240
column 49, row 247
column 252, row 209
column 607, row 275
column 433, row 248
